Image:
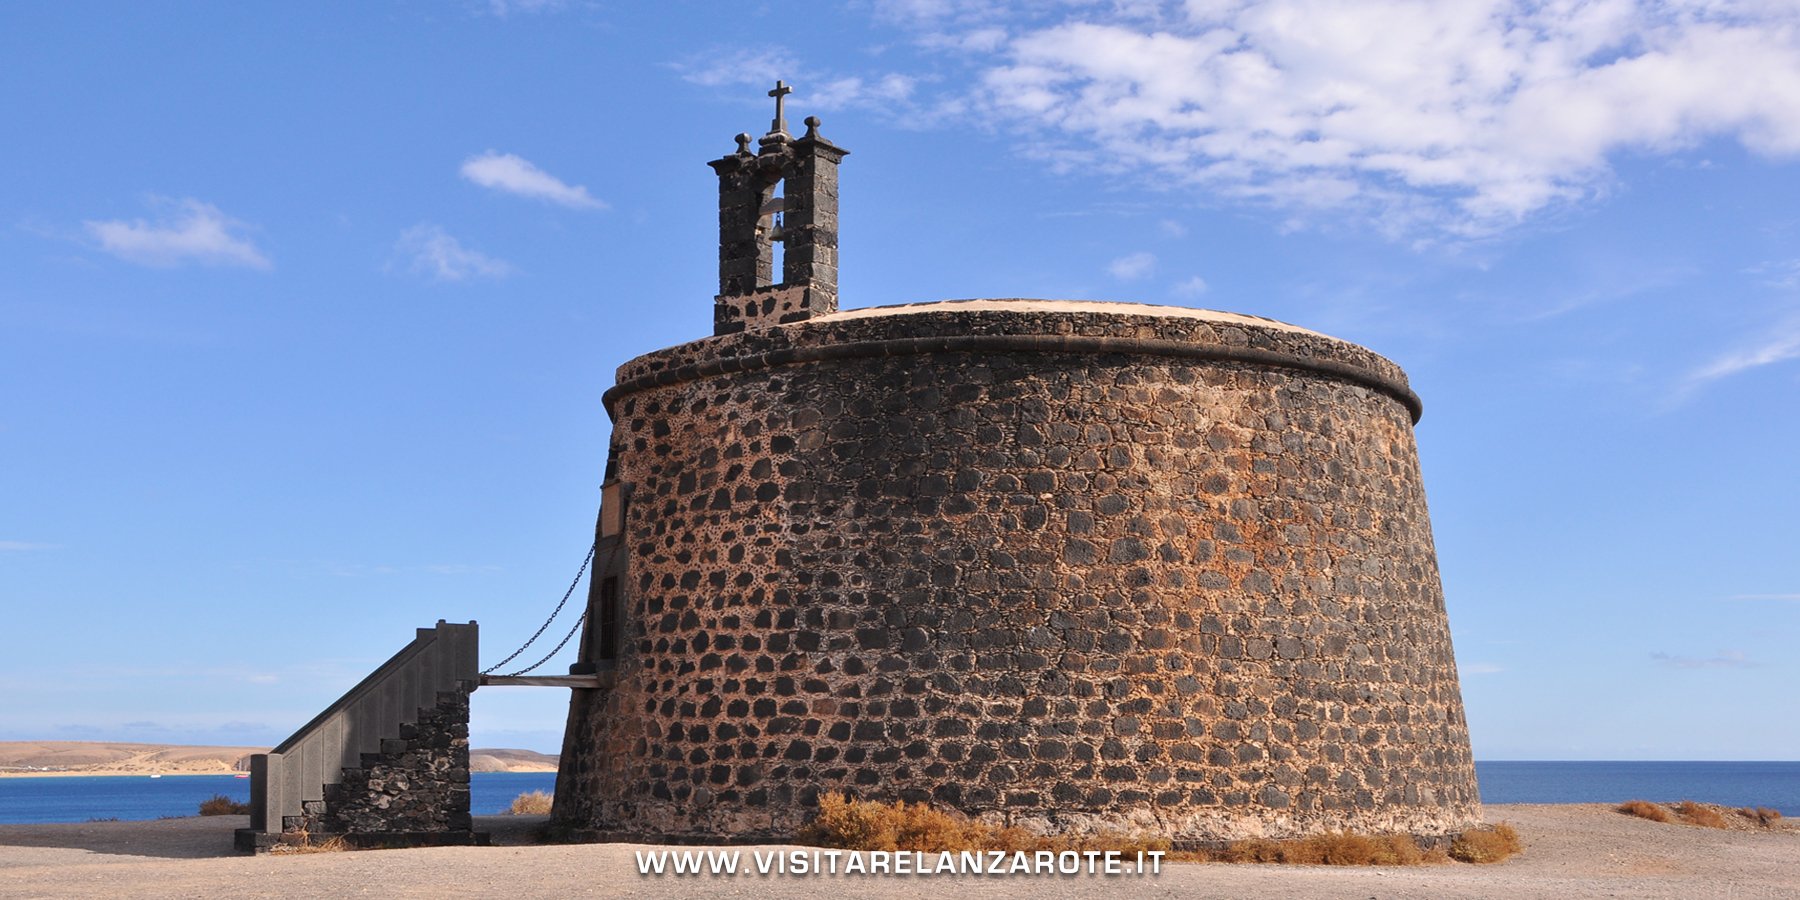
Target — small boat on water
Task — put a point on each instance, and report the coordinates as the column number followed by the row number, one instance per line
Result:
column 155, row 774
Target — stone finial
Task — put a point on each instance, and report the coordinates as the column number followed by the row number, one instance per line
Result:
column 812, row 126
column 743, row 142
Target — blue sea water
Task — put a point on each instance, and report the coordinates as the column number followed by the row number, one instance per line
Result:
column 1771, row 784
column 78, row 798
column 491, row 793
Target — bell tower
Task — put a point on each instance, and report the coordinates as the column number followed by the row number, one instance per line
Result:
column 754, row 220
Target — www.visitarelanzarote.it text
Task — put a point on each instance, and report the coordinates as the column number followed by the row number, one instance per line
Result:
column 899, row 862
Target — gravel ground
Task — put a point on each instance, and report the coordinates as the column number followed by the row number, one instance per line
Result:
column 1572, row 851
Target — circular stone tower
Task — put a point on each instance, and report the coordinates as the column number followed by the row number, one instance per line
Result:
column 1072, row 565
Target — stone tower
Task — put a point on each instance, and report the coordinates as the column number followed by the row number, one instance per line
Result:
column 1071, row 565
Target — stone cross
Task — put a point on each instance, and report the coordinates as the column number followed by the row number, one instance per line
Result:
column 779, row 126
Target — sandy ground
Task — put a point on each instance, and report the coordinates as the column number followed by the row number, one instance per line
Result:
column 1572, row 851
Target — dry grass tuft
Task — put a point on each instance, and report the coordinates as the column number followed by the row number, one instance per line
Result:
column 1704, row 815
column 1644, row 809
column 302, row 842
column 1695, row 814
column 221, row 805
column 866, row 825
column 1337, row 848
column 531, row 803
column 1487, row 845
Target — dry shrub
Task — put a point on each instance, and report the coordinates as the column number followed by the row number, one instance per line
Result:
column 867, row 825
column 1761, row 815
column 1253, row 850
column 531, row 803
column 221, row 805
column 1346, row 849
column 1695, row 814
column 864, row 825
column 1334, row 848
column 1486, row 845
column 1128, row 844
column 1644, row 809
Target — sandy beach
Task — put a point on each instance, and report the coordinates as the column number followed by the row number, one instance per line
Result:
column 51, row 759
column 1572, row 851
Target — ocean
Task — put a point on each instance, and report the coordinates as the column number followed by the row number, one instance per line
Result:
column 80, row 798
column 1772, row 784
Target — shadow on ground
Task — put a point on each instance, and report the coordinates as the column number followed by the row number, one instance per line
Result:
column 202, row 837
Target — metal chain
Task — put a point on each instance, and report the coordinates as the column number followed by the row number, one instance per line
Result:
column 553, row 614
column 559, row 645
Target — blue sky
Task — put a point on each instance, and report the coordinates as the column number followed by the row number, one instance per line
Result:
column 307, row 309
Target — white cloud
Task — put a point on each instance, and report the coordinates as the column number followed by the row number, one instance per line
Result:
column 504, row 8
column 1609, row 280
column 25, row 546
column 190, row 231
column 1778, row 346
column 426, row 249
column 1172, row 228
column 847, row 92
column 1133, row 266
column 979, row 40
column 1781, row 274
column 1422, row 118
column 1724, row 659
column 939, row 12
column 514, row 175
column 459, row 569
column 1192, row 287
column 738, row 68
column 1462, row 117
column 892, row 93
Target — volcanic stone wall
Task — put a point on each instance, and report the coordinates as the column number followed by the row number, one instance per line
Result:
column 414, row 791
column 1045, row 563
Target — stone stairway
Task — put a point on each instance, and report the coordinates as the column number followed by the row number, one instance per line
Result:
column 385, row 765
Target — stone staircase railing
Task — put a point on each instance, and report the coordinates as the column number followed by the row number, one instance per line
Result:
column 285, row 780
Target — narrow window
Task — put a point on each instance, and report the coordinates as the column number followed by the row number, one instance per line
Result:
column 609, row 618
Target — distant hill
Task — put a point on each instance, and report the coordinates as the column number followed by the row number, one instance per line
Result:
column 490, row 760
column 107, row 758
column 110, row 758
